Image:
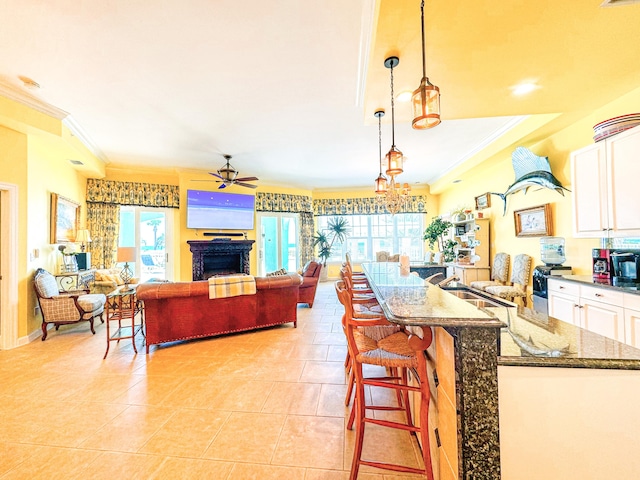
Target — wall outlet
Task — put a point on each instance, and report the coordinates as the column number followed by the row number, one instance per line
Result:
column 36, row 310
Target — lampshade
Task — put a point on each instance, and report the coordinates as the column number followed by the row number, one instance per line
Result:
column 83, row 236
column 395, row 161
column 126, row 254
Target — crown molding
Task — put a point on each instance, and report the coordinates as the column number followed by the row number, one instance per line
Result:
column 18, row 95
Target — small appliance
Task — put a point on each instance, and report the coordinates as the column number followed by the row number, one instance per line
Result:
column 625, row 267
column 602, row 265
column 552, row 254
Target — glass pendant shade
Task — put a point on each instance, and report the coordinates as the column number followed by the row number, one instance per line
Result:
column 381, row 185
column 426, row 105
column 395, row 162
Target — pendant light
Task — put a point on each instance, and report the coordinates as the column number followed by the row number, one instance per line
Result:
column 394, row 157
column 426, row 99
column 381, row 181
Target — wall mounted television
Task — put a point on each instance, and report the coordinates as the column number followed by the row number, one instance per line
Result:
column 220, row 210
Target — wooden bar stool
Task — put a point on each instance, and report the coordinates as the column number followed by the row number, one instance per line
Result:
column 398, row 351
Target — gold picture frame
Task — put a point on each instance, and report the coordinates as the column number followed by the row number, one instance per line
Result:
column 534, row 221
column 483, row 201
column 65, row 218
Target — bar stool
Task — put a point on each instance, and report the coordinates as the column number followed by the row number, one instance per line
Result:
column 399, row 351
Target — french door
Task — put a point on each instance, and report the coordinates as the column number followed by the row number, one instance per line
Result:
column 279, row 242
column 147, row 229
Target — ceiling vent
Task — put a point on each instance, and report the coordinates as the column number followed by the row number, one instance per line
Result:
column 616, row 3
column 76, row 162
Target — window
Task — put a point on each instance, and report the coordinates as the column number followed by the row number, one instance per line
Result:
column 368, row 234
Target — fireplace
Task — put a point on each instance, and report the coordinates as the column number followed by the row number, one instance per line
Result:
column 219, row 257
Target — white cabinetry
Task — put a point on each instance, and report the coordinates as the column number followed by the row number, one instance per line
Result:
column 599, row 310
column 631, row 305
column 473, row 237
column 604, row 183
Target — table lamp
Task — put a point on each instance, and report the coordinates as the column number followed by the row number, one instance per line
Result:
column 126, row 255
column 83, row 237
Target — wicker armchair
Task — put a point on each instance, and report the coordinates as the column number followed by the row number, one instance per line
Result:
column 62, row 308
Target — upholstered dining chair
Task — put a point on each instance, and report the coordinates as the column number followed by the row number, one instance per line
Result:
column 519, row 279
column 499, row 272
column 63, row 308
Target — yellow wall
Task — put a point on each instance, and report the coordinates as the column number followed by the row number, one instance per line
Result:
column 499, row 175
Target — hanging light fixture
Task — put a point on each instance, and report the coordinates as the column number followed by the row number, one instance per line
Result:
column 396, row 197
column 394, row 158
column 426, row 99
column 381, row 181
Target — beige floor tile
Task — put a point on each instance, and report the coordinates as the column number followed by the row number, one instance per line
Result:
column 331, row 402
column 151, row 390
column 282, row 370
column 315, row 474
column 116, row 465
column 265, row 472
column 191, row 469
column 309, row 352
column 293, row 398
column 130, row 430
column 323, row 372
column 247, row 437
column 53, row 463
column 314, row 442
column 337, row 353
column 188, row 433
column 13, row 454
column 335, row 338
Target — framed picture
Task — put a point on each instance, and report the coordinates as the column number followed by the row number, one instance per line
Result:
column 65, row 217
column 534, row 221
column 483, row 201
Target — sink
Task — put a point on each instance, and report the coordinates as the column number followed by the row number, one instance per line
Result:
column 476, row 297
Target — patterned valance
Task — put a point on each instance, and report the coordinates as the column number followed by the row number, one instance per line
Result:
column 364, row 206
column 281, row 202
column 133, row 193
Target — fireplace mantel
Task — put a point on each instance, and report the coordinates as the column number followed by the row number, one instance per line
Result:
column 220, row 256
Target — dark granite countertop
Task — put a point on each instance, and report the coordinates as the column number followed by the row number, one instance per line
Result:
column 588, row 280
column 537, row 340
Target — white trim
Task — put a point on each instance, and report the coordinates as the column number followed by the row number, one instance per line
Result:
column 30, row 101
column 82, row 135
column 366, row 35
column 9, row 266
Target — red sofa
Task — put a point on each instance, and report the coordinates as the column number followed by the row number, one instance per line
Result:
column 310, row 278
column 182, row 310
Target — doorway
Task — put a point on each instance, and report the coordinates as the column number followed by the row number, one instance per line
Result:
column 8, row 266
column 279, row 242
column 147, row 230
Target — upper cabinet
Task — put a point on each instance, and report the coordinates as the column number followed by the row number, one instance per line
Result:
column 605, row 187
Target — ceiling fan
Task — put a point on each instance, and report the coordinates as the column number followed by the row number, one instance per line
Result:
column 228, row 175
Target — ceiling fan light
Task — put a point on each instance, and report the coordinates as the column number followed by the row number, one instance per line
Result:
column 394, row 161
column 426, row 105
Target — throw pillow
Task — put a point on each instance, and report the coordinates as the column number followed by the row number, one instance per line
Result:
column 282, row 271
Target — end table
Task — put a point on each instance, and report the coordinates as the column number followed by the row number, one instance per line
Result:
column 123, row 306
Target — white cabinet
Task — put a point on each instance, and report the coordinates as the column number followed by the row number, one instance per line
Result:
column 631, row 303
column 598, row 310
column 604, row 183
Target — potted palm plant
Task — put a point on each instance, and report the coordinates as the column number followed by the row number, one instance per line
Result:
column 336, row 230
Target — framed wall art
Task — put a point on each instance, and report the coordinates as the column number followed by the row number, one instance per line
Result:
column 65, row 217
column 483, row 201
column 534, row 221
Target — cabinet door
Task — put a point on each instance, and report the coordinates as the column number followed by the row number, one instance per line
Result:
column 632, row 327
column 564, row 307
column 606, row 320
column 623, row 171
column 589, row 191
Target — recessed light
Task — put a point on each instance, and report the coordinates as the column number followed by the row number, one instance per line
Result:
column 524, row 88
column 456, row 181
column 404, row 96
column 76, row 162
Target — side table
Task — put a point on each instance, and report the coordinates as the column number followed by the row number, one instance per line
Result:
column 122, row 306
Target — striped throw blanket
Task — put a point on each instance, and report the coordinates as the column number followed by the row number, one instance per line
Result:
column 231, row 286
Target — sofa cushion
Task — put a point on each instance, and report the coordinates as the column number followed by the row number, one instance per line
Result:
column 282, row 271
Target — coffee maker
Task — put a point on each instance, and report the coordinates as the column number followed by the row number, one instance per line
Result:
column 602, row 265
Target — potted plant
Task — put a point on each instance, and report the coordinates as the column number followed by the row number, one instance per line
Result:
column 435, row 233
column 337, row 229
column 460, row 214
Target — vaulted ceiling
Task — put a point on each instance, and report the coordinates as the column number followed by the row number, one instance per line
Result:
column 289, row 88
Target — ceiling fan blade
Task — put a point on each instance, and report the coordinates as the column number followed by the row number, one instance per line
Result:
column 223, row 185
column 247, row 179
column 245, row 184
column 216, row 175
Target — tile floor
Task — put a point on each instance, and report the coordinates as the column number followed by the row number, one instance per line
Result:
column 261, row 405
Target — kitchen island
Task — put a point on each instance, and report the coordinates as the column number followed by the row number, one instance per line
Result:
column 554, row 396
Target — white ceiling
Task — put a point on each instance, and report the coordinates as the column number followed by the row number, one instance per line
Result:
column 282, row 86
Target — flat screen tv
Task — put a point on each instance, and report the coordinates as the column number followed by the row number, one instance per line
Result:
column 220, row 210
